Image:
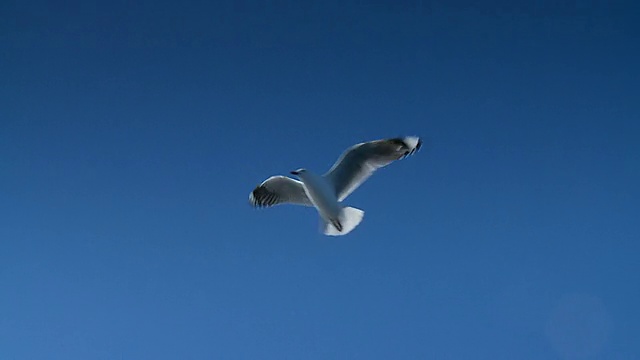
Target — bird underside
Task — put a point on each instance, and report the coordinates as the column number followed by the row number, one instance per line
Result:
column 336, row 224
column 347, row 220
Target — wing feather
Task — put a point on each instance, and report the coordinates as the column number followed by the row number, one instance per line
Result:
column 279, row 190
column 360, row 161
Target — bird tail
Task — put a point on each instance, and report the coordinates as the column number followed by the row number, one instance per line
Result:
column 348, row 219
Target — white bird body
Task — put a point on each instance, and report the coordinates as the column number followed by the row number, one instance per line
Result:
column 326, row 192
column 336, row 219
column 321, row 194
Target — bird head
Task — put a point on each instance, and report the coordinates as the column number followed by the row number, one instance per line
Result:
column 298, row 172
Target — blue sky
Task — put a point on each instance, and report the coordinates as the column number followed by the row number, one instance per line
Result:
column 131, row 134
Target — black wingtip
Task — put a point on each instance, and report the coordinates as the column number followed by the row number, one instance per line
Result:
column 410, row 147
column 262, row 197
column 254, row 198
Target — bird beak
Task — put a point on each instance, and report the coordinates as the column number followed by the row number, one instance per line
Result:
column 294, row 173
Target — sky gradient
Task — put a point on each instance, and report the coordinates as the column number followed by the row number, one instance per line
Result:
column 131, row 134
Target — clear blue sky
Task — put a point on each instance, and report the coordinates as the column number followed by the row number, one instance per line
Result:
column 131, row 134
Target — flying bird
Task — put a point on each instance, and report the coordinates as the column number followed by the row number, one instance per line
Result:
column 326, row 192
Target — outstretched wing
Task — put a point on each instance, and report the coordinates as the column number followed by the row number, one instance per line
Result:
column 279, row 190
column 360, row 161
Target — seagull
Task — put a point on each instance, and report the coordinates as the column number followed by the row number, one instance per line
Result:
column 326, row 192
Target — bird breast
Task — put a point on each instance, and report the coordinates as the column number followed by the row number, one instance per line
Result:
column 321, row 194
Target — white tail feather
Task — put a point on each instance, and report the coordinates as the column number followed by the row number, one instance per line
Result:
column 349, row 218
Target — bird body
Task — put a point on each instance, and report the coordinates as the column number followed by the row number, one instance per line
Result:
column 335, row 218
column 320, row 191
column 326, row 192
